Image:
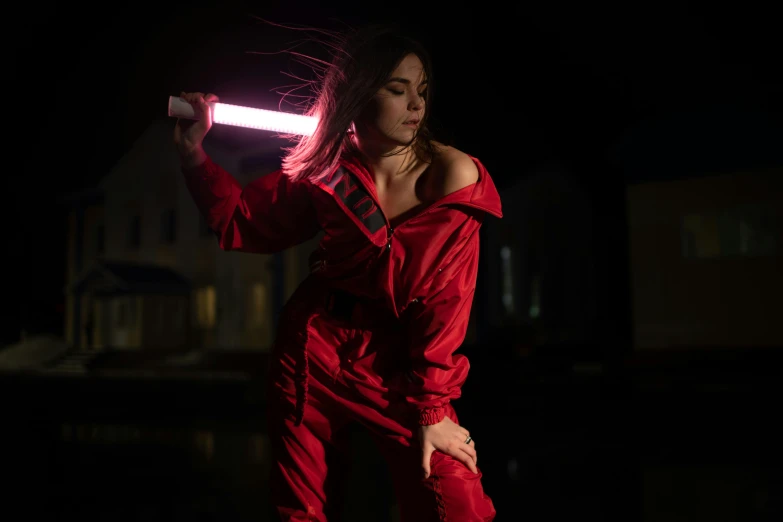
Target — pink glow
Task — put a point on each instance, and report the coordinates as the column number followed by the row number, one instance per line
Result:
column 238, row 116
column 282, row 122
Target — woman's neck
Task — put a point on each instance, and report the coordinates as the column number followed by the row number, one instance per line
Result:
column 385, row 167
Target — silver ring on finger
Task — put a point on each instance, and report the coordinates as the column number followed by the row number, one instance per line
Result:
column 467, row 441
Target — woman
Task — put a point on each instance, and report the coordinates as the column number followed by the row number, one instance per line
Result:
column 370, row 335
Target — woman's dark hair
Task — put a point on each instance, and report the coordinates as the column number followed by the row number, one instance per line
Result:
column 361, row 64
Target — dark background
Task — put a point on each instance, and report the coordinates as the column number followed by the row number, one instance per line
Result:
column 518, row 85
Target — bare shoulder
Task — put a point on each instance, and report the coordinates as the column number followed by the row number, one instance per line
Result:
column 454, row 170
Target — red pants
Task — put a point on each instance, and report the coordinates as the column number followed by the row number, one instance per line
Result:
column 299, row 449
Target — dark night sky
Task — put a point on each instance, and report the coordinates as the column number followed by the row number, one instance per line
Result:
column 571, row 75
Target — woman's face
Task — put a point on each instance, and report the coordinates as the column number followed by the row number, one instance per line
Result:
column 392, row 117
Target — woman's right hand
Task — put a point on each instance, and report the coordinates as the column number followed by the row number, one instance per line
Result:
column 447, row 437
column 189, row 134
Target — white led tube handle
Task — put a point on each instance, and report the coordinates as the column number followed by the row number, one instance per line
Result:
column 179, row 108
column 238, row 116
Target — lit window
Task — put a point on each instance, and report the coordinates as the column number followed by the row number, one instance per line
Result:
column 206, row 306
column 258, row 305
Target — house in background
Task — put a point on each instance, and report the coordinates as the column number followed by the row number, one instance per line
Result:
column 669, row 239
column 704, row 206
column 145, row 272
column 127, row 304
column 706, row 257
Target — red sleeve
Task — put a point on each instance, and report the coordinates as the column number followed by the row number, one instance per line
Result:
column 271, row 214
column 438, row 326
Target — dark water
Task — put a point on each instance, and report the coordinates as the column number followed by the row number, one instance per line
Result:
column 555, row 442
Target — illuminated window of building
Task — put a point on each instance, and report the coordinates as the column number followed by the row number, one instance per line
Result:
column 204, row 442
column 747, row 230
column 257, row 447
column 206, row 306
column 258, row 305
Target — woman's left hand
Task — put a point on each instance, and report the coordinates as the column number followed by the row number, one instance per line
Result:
column 449, row 438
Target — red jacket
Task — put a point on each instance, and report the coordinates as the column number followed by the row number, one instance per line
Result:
column 422, row 272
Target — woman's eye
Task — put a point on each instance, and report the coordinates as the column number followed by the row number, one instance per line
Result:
column 421, row 94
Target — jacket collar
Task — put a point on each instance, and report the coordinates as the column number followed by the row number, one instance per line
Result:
column 482, row 195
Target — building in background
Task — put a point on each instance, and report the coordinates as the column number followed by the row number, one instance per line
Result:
column 706, row 263
column 704, row 202
column 145, row 272
column 670, row 237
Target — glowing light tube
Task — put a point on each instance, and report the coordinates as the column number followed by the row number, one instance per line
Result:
column 238, row 116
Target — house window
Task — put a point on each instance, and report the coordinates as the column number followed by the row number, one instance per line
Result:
column 134, row 232
column 744, row 231
column 258, row 306
column 206, row 306
column 169, row 226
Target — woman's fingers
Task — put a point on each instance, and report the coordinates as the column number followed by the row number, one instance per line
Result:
column 467, row 455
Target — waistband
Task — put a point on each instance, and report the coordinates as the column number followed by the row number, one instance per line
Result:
column 350, row 310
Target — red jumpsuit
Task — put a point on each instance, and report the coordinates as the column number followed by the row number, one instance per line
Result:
column 371, row 333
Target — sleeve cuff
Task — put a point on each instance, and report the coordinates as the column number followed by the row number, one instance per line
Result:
column 429, row 416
